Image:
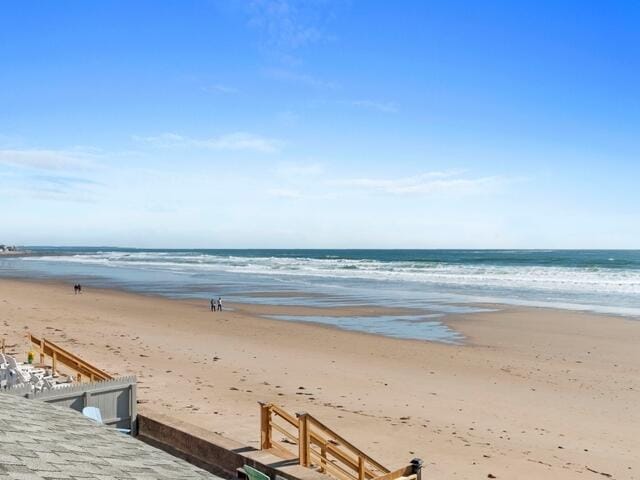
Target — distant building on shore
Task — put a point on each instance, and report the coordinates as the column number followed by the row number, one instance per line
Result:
column 8, row 248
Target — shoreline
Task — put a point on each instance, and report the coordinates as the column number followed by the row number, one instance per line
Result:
column 582, row 280
column 467, row 410
column 263, row 310
column 444, row 318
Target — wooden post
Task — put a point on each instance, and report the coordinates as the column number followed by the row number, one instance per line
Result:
column 360, row 468
column 265, row 426
column 303, row 439
column 2, row 346
column 42, row 351
column 323, row 458
column 133, row 409
column 416, row 465
column 53, row 362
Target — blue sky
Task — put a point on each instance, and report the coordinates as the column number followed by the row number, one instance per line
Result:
column 320, row 123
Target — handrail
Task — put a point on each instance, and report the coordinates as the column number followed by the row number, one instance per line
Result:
column 401, row 472
column 347, row 444
column 321, row 448
column 326, row 465
column 353, row 463
column 59, row 354
column 286, row 416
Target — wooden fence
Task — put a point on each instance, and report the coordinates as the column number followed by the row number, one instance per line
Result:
column 60, row 356
column 116, row 399
column 321, row 448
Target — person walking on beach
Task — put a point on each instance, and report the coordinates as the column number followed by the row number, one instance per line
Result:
column 213, row 305
column 219, row 304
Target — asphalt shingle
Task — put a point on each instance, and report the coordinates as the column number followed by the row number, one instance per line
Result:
column 40, row 441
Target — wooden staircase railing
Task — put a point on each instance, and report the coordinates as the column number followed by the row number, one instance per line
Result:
column 59, row 355
column 322, row 449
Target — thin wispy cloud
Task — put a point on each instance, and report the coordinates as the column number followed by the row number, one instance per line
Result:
column 46, row 159
column 236, row 141
column 297, row 180
column 284, row 193
column 285, row 27
column 297, row 170
column 51, row 186
column 453, row 182
column 299, row 78
column 218, row 88
column 286, row 24
column 384, row 107
column 50, row 194
column 65, row 182
column 288, row 118
column 64, row 188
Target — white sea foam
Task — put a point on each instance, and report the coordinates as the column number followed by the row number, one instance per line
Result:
column 604, row 284
column 596, row 281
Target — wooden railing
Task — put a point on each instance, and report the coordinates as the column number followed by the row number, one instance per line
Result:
column 321, row 448
column 58, row 355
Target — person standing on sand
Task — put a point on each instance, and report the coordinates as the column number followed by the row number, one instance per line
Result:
column 213, row 305
column 219, row 304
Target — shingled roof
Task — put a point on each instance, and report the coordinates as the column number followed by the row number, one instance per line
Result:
column 42, row 441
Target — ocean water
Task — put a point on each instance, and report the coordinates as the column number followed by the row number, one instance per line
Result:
column 436, row 281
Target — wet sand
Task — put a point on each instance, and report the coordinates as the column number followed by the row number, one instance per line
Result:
column 534, row 393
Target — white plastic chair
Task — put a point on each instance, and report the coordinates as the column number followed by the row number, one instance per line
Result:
column 94, row 414
column 13, row 379
column 20, row 376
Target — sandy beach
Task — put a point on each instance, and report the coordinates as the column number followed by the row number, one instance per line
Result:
column 533, row 393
